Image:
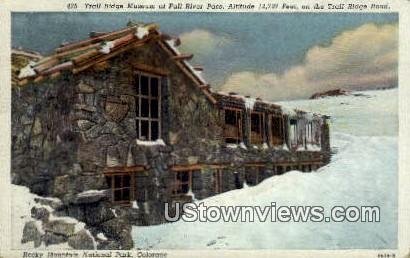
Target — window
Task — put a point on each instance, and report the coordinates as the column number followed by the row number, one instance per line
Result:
column 293, row 134
column 148, row 106
column 121, row 187
column 122, row 182
column 217, row 180
column 233, row 126
column 257, row 128
column 182, row 182
column 276, row 132
column 279, row 170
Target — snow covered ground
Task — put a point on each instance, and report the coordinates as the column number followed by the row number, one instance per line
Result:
column 22, row 202
column 363, row 172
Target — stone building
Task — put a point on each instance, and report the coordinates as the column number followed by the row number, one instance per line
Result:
column 122, row 120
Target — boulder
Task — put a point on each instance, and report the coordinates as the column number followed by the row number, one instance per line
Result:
column 83, row 240
column 40, row 213
column 32, row 232
column 98, row 213
column 119, row 229
column 53, row 239
column 60, row 227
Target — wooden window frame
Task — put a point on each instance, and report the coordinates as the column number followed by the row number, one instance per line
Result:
column 177, row 185
column 261, row 127
column 138, row 101
column 112, row 172
column 113, row 188
column 239, row 137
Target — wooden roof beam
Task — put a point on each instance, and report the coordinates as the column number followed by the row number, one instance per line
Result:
column 183, row 57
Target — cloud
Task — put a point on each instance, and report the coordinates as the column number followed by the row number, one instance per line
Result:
column 201, row 42
column 363, row 58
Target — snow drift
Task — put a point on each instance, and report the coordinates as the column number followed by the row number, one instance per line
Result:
column 362, row 172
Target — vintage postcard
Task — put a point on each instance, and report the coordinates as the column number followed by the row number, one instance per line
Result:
column 205, row 129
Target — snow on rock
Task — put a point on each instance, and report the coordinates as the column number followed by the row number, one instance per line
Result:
column 363, row 172
column 102, row 237
column 114, row 212
column 92, row 238
column 150, row 143
column 91, row 193
column 106, row 47
column 22, row 202
column 26, row 71
column 190, row 193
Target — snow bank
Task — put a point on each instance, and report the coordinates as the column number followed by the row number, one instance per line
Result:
column 355, row 177
column 374, row 114
column 363, row 172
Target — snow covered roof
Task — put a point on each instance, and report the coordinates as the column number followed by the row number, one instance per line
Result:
column 78, row 56
column 235, row 100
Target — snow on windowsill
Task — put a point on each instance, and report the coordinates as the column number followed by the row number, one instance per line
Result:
column 232, row 146
column 151, row 143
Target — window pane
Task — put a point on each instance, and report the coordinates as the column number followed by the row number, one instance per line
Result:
column 126, row 194
column 144, row 107
column 230, row 117
column 117, row 181
column 154, row 108
column 137, row 128
column 109, row 181
column 144, row 85
column 126, row 181
column 117, row 195
column 154, row 130
column 137, row 106
column 185, row 176
column 144, row 130
column 255, row 118
column 185, row 188
column 154, row 87
column 136, row 84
